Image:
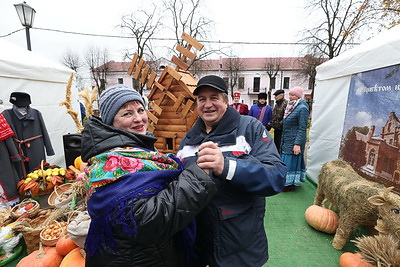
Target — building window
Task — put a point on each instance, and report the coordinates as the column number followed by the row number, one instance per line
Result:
column 272, row 82
column 226, row 80
column 241, row 83
column 286, row 81
column 120, row 80
column 256, row 84
column 169, row 143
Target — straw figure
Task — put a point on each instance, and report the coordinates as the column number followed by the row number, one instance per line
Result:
column 381, row 250
column 357, row 201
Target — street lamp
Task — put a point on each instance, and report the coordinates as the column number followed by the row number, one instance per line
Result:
column 26, row 15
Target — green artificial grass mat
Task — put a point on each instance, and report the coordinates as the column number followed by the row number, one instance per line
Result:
column 291, row 241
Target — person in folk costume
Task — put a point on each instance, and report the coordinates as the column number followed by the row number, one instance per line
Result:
column 242, row 108
column 277, row 116
column 31, row 136
column 261, row 111
column 9, row 159
column 141, row 202
column 295, row 122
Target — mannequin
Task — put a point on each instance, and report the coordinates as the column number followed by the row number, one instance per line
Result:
column 31, row 137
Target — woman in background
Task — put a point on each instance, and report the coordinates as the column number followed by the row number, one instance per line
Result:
column 294, row 139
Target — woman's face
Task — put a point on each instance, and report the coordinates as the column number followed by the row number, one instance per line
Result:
column 132, row 117
column 292, row 97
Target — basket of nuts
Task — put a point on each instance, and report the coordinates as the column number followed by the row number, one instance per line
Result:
column 52, row 232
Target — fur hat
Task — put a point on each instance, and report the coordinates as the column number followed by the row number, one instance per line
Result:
column 20, row 99
column 113, row 98
column 262, row 96
column 297, row 91
column 213, row 81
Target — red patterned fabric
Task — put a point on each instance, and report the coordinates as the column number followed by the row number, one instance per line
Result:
column 5, row 129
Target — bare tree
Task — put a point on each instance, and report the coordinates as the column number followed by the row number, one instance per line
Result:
column 73, row 61
column 97, row 60
column 391, row 12
column 308, row 65
column 341, row 23
column 233, row 66
column 187, row 17
column 272, row 68
column 142, row 26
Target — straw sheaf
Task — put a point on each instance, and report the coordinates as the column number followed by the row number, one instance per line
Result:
column 88, row 100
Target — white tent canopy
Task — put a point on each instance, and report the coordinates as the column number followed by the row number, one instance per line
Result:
column 331, row 93
column 45, row 81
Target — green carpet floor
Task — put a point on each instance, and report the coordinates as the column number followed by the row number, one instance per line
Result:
column 292, row 242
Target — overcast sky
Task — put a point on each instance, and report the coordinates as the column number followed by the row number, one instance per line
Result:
column 235, row 21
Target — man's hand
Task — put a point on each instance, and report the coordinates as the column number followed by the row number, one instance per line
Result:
column 210, row 157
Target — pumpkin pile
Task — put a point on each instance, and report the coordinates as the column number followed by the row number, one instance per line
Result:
column 43, row 179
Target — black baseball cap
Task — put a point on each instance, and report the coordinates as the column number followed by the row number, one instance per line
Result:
column 212, row 81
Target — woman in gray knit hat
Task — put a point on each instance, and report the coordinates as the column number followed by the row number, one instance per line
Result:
column 141, row 202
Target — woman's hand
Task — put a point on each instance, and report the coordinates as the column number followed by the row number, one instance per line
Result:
column 210, row 157
column 296, row 149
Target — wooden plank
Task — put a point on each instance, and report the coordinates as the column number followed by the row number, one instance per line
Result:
column 145, row 72
column 133, row 63
column 167, row 133
column 189, row 39
column 171, row 96
column 171, row 128
column 187, row 107
column 178, row 102
column 151, row 79
column 179, row 62
column 150, row 128
column 152, row 117
column 190, row 121
column 138, row 69
column 155, row 107
column 186, row 52
column 159, row 86
column 173, row 73
column 165, row 121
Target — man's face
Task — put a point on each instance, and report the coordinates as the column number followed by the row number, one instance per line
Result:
column 262, row 101
column 211, row 105
column 236, row 99
column 279, row 97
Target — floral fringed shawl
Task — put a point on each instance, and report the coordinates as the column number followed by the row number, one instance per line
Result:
column 116, row 179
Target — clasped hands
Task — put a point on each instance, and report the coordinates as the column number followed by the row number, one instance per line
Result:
column 210, row 158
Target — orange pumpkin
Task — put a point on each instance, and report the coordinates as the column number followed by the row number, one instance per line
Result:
column 65, row 245
column 349, row 259
column 322, row 219
column 44, row 256
column 75, row 258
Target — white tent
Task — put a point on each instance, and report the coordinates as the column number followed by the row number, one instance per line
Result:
column 45, row 81
column 332, row 89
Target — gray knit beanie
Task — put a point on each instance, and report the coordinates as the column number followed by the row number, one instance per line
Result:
column 113, row 98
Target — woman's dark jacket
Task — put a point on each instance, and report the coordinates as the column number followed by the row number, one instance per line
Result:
column 159, row 217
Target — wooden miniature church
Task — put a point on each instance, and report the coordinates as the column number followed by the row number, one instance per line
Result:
column 171, row 99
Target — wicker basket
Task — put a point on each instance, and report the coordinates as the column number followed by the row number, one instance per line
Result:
column 19, row 210
column 51, row 242
column 58, row 190
column 31, row 234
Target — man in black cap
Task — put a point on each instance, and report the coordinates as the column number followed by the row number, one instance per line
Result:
column 277, row 116
column 246, row 167
column 31, row 136
column 261, row 111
